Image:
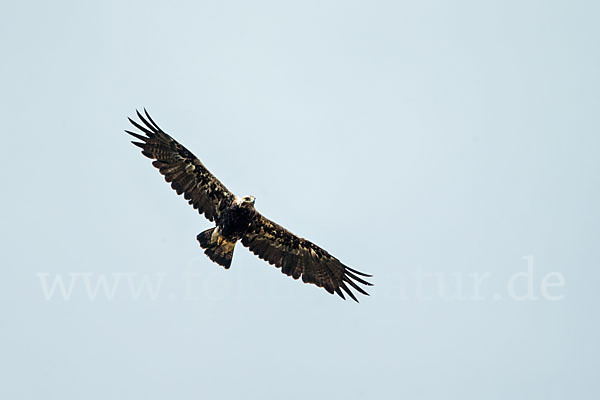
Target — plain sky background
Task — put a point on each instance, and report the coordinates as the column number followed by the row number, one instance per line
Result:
column 423, row 137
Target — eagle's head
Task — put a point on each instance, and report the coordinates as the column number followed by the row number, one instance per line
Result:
column 246, row 201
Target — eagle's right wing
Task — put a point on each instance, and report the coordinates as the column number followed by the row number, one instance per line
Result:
column 184, row 170
column 297, row 257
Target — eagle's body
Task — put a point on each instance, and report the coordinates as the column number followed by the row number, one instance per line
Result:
column 236, row 219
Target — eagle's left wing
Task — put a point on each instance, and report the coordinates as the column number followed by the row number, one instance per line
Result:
column 185, row 172
column 299, row 257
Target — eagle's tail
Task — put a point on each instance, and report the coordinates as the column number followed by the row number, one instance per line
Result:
column 216, row 247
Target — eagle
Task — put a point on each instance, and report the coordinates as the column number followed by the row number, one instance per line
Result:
column 236, row 218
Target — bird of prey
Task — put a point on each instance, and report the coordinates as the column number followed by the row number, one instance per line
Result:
column 236, row 219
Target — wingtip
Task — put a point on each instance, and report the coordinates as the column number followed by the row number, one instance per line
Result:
column 135, row 135
column 147, row 120
column 359, row 273
column 140, row 145
column 151, row 120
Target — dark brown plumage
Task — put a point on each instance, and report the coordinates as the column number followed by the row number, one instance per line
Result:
column 237, row 219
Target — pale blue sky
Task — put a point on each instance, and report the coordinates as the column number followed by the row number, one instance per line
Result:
column 409, row 139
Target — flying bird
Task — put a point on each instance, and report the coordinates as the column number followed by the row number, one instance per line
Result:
column 236, row 219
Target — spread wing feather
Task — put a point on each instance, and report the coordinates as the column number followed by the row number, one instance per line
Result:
column 185, row 172
column 299, row 257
